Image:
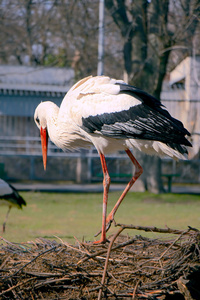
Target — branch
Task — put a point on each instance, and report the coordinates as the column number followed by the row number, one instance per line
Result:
column 107, row 259
column 156, row 229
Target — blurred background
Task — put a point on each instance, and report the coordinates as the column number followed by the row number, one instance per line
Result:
column 46, row 46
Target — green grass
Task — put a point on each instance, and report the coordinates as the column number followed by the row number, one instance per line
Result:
column 67, row 215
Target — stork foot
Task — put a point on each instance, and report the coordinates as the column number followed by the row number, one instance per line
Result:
column 101, row 241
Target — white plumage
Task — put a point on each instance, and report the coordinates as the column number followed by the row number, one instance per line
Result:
column 9, row 197
column 111, row 115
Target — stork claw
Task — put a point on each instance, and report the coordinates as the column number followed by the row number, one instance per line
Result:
column 108, row 224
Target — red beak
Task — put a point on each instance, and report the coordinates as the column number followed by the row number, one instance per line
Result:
column 44, row 141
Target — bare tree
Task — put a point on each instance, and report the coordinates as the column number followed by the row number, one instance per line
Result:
column 150, row 30
column 26, row 31
column 58, row 33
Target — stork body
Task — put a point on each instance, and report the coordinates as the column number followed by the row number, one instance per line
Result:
column 10, row 197
column 112, row 116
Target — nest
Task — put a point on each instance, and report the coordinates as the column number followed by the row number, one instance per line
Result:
column 125, row 268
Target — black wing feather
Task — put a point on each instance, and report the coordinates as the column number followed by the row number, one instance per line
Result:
column 148, row 121
column 14, row 197
column 150, row 101
column 138, row 93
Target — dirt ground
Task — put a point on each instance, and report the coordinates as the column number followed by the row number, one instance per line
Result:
column 124, row 268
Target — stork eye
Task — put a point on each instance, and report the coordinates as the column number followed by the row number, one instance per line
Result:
column 37, row 120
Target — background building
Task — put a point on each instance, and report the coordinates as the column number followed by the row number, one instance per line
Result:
column 181, row 96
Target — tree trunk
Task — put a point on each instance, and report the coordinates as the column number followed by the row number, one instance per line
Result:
column 143, row 75
column 152, row 178
column 145, row 68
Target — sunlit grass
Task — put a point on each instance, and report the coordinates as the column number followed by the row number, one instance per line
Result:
column 67, row 215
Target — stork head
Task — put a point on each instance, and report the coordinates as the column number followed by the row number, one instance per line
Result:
column 40, row 119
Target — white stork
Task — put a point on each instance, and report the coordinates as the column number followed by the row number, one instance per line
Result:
column 10, row 197
column 111, row 115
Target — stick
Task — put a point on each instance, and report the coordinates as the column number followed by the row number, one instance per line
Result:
column 156, row 229
column 15, row 286
column 107, row 260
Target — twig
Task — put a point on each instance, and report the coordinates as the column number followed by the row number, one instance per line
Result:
column 15, row 286
column 88, row 256
column 71, row 247
column 96, row 254
column 178, row 238
column 156, row 229
column 49, row 281
column 107, row 260
column 118, row 281
column 43, row 275
column 4, row 262
column 135, row 289
column 94, row 275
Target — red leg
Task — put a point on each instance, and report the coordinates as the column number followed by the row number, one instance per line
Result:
column 138, row 172
column 4, row 223
column 106, row 185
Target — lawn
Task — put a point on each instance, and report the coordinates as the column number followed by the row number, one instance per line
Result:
column 77, row 215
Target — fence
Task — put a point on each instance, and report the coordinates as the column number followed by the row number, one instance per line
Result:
column 21, row 159
column 17, row 145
